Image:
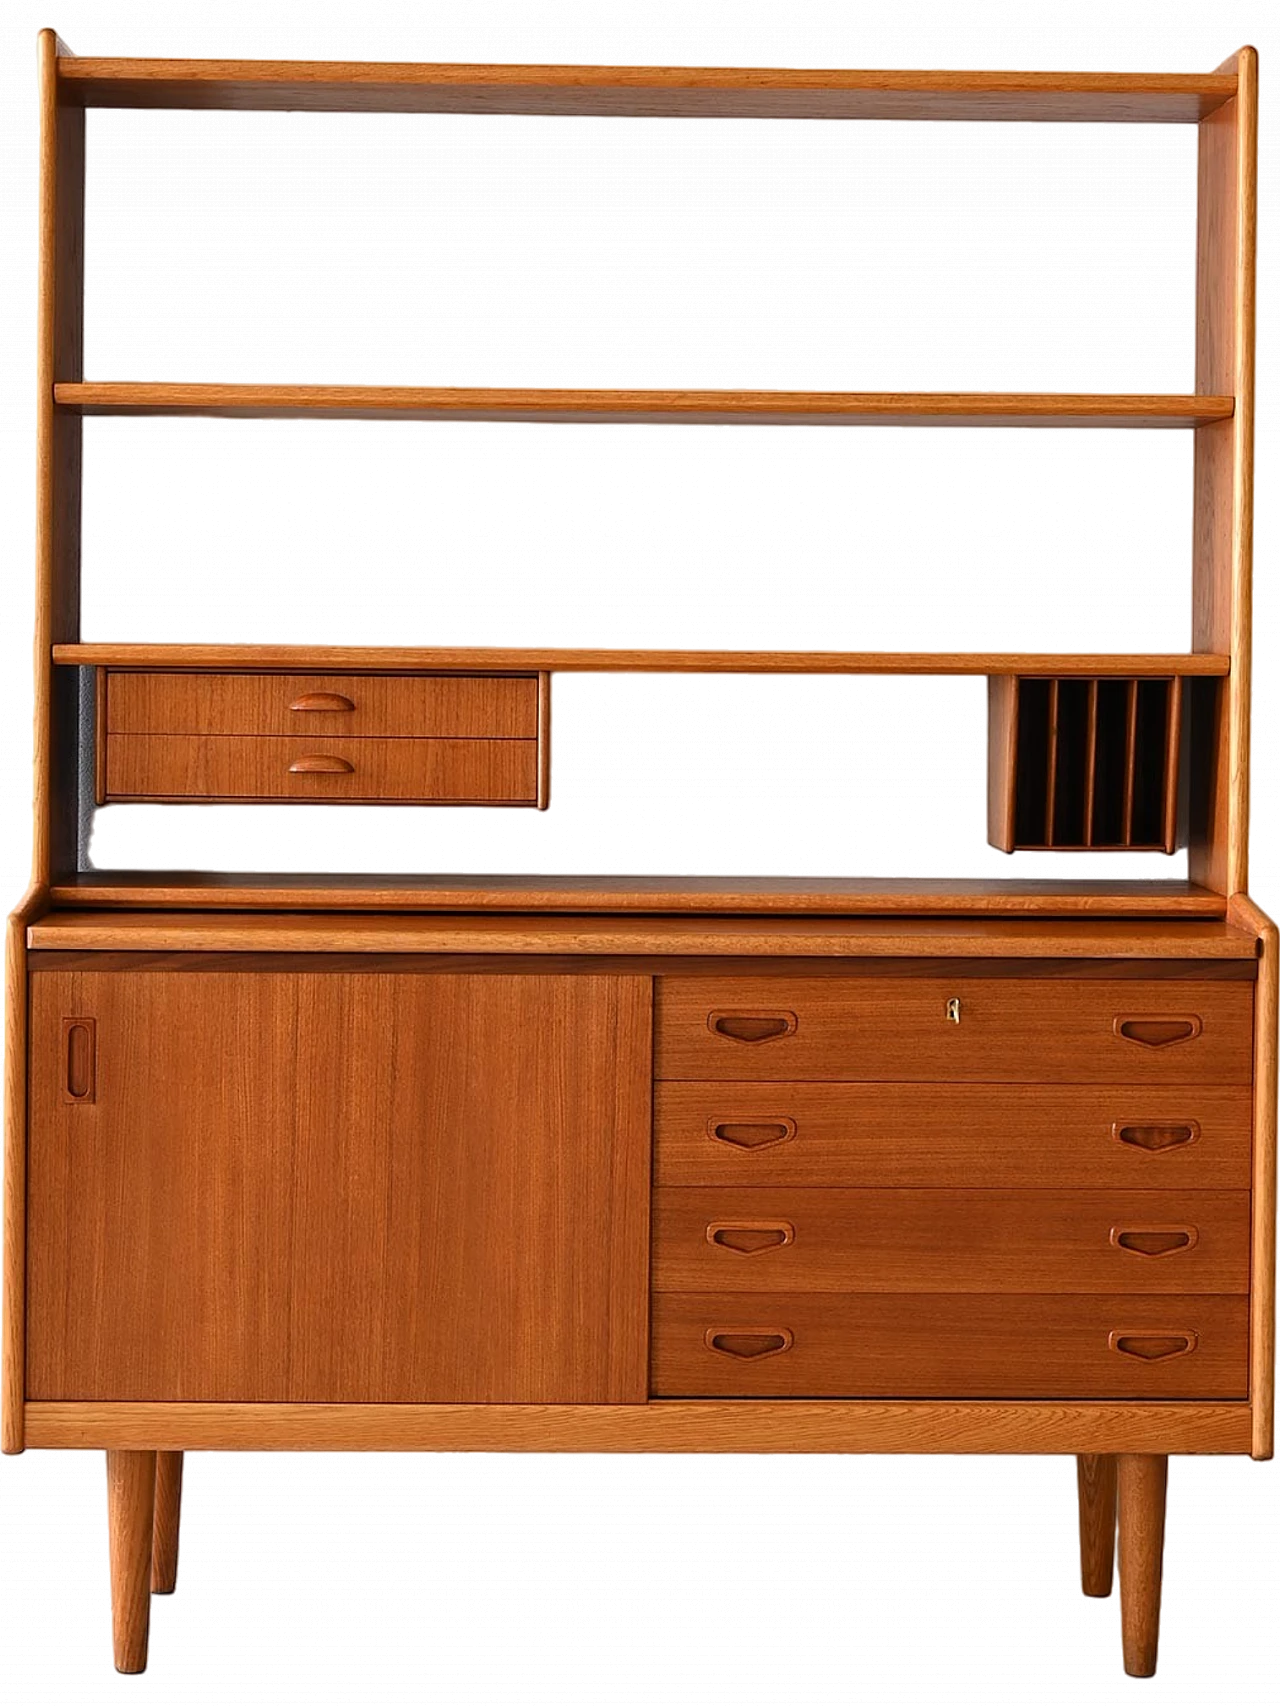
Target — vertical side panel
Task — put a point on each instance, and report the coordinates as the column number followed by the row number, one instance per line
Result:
column 1002, row 760
column 1222, row 552
column 13, row 1356
column 60, row 356
column 1262, row 1328
column 544, row 740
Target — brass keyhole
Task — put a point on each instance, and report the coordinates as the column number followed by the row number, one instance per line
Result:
column 953, row 1010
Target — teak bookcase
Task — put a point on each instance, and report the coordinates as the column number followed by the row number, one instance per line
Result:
column 649, row 1164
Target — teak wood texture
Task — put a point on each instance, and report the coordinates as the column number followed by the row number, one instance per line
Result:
column 1011, row 1345
column 708, row 408
column 648, row 91
column 1075, row 1138
column 350, row 1189
column 1009, row 1030
column 639, row 1163
column 759, row 1239
column 176, row 657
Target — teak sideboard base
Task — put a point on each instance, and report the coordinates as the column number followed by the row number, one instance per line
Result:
column 641, row 1185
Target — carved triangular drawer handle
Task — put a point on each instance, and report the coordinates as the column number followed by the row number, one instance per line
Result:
column 1153, row 1348
column 750, row 1238
column 1154, row 1241
column 1158, row 1032
column 1157, row 1138
column 752, row 1134
column 751, row 1028
column 748, row 1345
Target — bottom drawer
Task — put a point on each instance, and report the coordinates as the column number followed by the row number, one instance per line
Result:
column 925, row 1345
column 321, row 767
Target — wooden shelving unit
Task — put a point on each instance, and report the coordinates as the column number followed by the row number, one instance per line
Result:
column 829, row 1164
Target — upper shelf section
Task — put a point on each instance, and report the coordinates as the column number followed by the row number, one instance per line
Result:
column 642, row 91
column 706, row 408
column 506, row 658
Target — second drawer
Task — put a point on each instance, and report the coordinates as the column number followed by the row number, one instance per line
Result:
column 763, row 1240
column 326, row 767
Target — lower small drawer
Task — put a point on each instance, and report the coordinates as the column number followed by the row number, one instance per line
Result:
column 321, row 768
column 850, row 1345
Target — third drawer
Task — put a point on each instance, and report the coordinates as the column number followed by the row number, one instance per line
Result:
column 1050, row 1136
column 762, row 1240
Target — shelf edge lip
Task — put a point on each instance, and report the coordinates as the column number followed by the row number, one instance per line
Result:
column 623, row 404
column 648, row 91
column 608, row 660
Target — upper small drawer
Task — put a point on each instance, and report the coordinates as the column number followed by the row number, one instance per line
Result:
column 199, row 703
column 999, row 1030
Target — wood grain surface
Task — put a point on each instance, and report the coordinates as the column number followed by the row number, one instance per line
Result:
column 131, row 1486
column 1008, row 1032
column 1143, row 1480
column 344, row 1190
column 265, row 767
column 930, row 1345
column 1096, row 1496
column 1024, row 1136
column 644, row 90
column 975, row 1240
column 180, row 702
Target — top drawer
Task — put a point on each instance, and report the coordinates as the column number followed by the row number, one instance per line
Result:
column 200, row 703
column 999, row 1030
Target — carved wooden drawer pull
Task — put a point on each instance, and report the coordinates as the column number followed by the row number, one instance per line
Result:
column 750, row 1238
column 1153, row 1348
column 751, row 1028
column 80, row 1045
column 323, row 702
column 767, row 1342
column 320, row 764
column 1159, row 1031
column 1154, row 1241
column 753, row 1134
column 1157, row 1138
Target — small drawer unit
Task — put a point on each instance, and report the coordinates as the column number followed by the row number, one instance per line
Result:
column 244, row 736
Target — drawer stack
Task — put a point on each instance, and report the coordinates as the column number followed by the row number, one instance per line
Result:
column 409, row 739
column 969, row 1187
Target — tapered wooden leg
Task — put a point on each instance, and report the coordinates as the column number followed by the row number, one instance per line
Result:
column 131, row 1494
column 1142, row 1480
column 1096, row 1485
column 164, row 1558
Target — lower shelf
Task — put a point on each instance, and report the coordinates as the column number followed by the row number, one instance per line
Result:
column 825, row 1345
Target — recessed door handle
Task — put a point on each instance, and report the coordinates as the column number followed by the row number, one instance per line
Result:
column 752, row 1134
column 80, row 1060
column 1156, row 1138
column 1154, row 1241
column 751, row 1027
column 323, row 702
column 748, row 1344
column 1158, row 1031
column 320, row 764
column 1153, row 1348
column 750, row 1238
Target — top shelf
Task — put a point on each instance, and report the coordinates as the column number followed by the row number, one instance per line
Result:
column 764, row 408
column 644, row 91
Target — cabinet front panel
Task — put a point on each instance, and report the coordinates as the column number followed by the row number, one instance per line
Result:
column 338, row 1187
column 775, row 1239
column 321, row 768
column 1013, row 1031
column 926, row 1345
column 1129, row 1136
column 202, row 703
